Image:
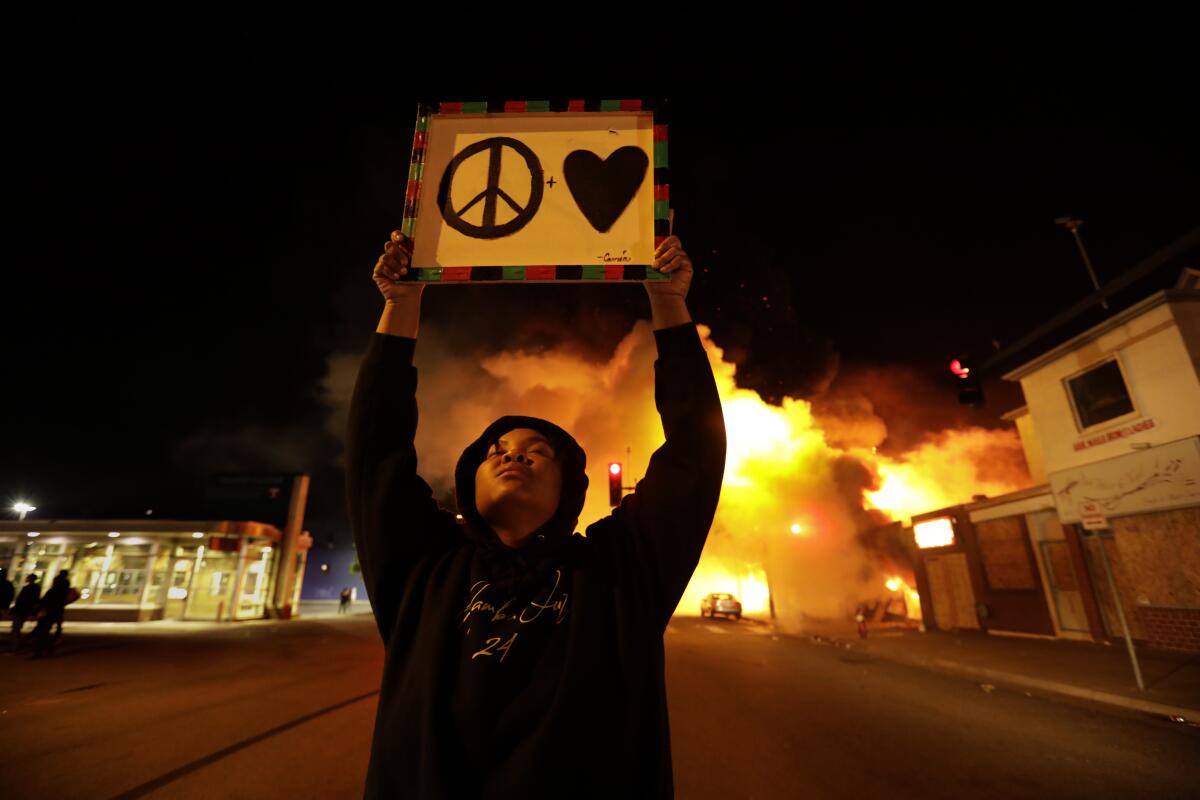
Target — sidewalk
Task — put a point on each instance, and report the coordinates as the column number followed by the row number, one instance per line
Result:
column 1095, row 672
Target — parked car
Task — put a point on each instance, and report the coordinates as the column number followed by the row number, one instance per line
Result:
column 721, row 603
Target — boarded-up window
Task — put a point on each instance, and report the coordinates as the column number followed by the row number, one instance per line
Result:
column 1006, row 563
column 950, row 585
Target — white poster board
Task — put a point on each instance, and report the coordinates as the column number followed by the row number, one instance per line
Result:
column 559, row 188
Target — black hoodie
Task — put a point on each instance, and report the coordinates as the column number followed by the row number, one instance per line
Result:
column 531, row 672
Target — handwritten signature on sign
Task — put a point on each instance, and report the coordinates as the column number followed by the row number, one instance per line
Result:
column 554, row 602
column 616, row 258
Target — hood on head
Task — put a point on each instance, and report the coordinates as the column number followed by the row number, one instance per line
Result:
column 568, row 453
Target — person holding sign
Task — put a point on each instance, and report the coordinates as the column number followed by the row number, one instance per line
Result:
column 523, row 659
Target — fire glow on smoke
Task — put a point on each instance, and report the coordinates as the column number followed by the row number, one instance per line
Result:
column 791, row 504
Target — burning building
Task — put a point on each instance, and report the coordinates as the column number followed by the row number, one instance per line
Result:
column 1107, row 544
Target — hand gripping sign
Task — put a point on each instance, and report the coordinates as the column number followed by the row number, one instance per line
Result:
column 537, row 192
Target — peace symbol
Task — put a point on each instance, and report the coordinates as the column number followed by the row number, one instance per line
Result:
column 492, row 192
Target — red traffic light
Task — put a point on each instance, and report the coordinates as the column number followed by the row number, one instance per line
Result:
column 615, row 487
column 970, row 391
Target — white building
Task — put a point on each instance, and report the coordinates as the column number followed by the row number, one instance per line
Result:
column 1111, row 432
column 1112, row 423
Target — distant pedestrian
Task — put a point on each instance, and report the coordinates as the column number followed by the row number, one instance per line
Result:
column 7, row 592
column 25, row 607
column 50, row 615
column 344, row 604
column 55, row 601
column 43, row 642
column 860, row 616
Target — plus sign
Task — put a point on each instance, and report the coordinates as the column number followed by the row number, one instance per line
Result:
column 551, row 181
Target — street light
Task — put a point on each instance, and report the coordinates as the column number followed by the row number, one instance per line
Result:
column 1073, row 225
column 22, row 508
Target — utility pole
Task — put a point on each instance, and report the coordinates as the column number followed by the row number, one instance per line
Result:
column 1073, row 225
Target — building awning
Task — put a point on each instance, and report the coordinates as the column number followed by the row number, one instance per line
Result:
column 1035, row 498
column 145, row 528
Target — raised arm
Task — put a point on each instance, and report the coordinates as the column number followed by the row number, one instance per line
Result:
column 672, row 508
column 392, row 511
column 401, row 298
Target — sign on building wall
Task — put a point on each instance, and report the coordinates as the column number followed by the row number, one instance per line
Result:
column 1092, row 516
column 1115, row 435
column 1154, row 479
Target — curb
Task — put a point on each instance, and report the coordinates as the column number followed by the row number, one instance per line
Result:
column 1056, row 687
column 1070, row 690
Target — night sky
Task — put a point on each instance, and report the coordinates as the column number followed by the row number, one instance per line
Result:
column 195, row 214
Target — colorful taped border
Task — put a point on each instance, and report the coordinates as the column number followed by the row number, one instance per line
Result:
column 548, row 273
column 598, row 273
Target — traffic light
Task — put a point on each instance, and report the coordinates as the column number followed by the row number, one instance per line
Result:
column 970, row 391
column 615, row 489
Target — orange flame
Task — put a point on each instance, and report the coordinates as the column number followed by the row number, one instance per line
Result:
column 912, row 600
column 780, row 467
column 942, row 472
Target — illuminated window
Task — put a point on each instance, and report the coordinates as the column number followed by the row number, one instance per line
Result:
column 934, row 533
column 1099, row 394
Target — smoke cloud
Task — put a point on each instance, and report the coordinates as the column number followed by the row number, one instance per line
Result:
column 815, row 468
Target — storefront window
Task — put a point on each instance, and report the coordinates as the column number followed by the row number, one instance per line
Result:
column 212, row 585
column 193, row 580
column 158, row 574
column 260, row 560
column 44, row 560
column 182, row 562
column 110, row 573
column 125, row 585
column 90, row 566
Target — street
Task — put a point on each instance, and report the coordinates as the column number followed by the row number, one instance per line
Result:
column 271, row 710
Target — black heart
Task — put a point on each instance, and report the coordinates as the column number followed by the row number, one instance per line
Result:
column 602, row 188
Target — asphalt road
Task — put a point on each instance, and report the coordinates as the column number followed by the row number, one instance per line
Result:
column 276, row 710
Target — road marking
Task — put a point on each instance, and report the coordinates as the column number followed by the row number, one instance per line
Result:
column 714, row 629
column 175, row 774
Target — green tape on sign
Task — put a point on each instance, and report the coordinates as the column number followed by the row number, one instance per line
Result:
column 537, row 105
column 610, row 105
column 423, row 124
column 662, row 209
column 429, row 273
column 475, row 108
column 654, row 275
column 408, row 226
column 514, row 273
column 593, row 273
column 415, row 171
column 660, row 155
